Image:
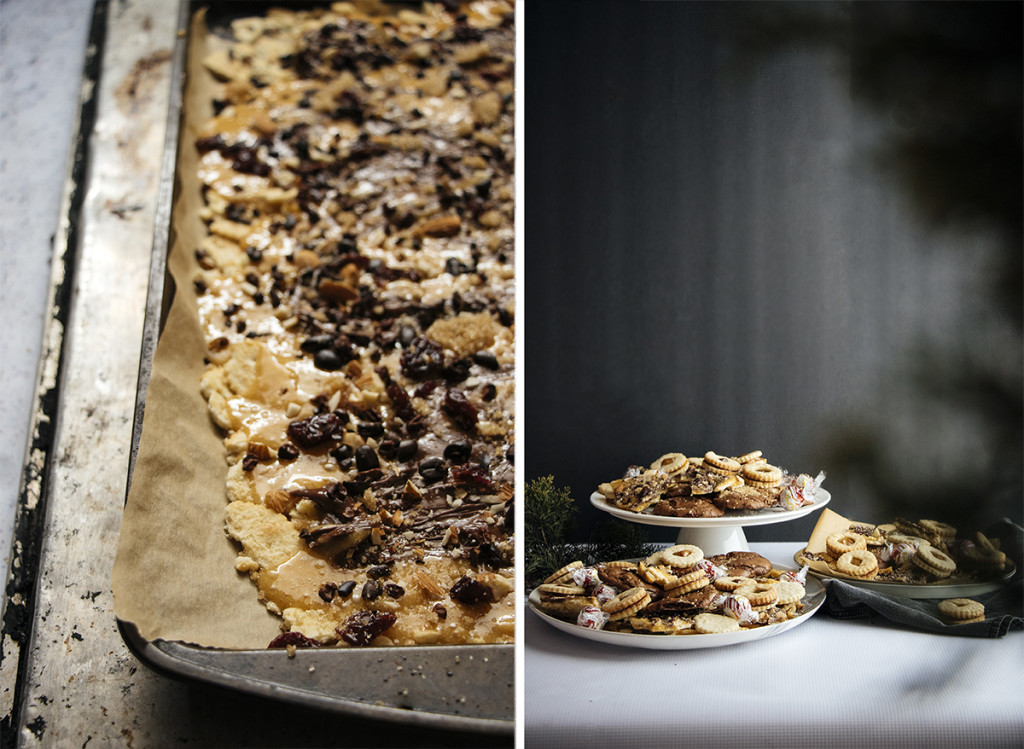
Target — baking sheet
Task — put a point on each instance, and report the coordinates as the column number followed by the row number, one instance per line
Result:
column 177, row 594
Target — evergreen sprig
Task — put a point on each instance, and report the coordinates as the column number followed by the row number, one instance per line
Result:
column 549, row 521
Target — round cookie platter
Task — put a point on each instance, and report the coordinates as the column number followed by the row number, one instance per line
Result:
column 714, row 535
column 813, row 599
column 941, row 589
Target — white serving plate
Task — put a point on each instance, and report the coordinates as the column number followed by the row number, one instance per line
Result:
column 812, row 601
column 712, row 535
column 931, row 590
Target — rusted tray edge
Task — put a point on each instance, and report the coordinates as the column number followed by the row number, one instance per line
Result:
column 478, row 669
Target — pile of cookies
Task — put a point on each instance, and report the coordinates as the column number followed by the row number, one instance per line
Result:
column 905, row 551
column 675, row 591
column 710, row 486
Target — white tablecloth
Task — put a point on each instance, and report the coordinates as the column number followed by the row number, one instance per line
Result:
column 826, row 683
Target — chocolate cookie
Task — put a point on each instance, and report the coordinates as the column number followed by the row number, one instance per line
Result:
column 687, row 507
column 624, row 579
column 746, row 497
column 742, row 563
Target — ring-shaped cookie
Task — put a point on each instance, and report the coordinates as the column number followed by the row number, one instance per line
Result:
column 857, row 563
column 758, row 593
column 679, row 590
column 762, row 473
column 961, row 609
column 942, row 530
column 721, row 462
column 841, row 542
column 670, row 463
column 682, row 555
column 729, row 583
column 564, row 574
column 751, row 457
column 625, row 600
column 934, row 560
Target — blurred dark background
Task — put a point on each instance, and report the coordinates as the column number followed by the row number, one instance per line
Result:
column 793, row 227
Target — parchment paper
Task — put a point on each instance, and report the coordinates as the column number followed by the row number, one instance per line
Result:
column 174, row 575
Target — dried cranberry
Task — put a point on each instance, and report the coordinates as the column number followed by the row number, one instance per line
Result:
column 472, row 476
column 316, row 430
column 469, row 591
column 460, row 410
column 401, row 401
column 363, row 626
column 297, row 639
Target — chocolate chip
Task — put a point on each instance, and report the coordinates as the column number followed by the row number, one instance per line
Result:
column 378, row 572
column 432, row 469
column 287, row 451
column 366, row 458
column 486, row 359
column 346, row 588
column 488, row 392
column 342, row 452
column 407, row 449
column 441, row 611
column 317, row 343
column 370, row 429
column 328, row 360
column 458, row 452
column 328, row 591
column 372, row 590
column 394, row 591
column 388, row 448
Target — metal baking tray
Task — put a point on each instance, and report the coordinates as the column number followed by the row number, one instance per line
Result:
column 462, row 688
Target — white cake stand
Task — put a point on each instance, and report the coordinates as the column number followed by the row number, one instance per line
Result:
column 712, row 535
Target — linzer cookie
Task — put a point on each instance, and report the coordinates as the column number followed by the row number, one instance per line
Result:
column 710, row 486
column 676, row 591
column 356, row 291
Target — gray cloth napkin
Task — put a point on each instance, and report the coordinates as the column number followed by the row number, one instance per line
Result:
column 1004, row 608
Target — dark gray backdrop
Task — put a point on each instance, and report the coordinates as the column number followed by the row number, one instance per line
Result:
column 783, row 226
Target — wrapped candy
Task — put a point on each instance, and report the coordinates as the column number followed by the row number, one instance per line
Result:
column 738, row 607
column 592, row 617
column 900, row 553
column 711, row 569
column 801, row 490
column 586, row 577
column 796, row 577
column 603, row 593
